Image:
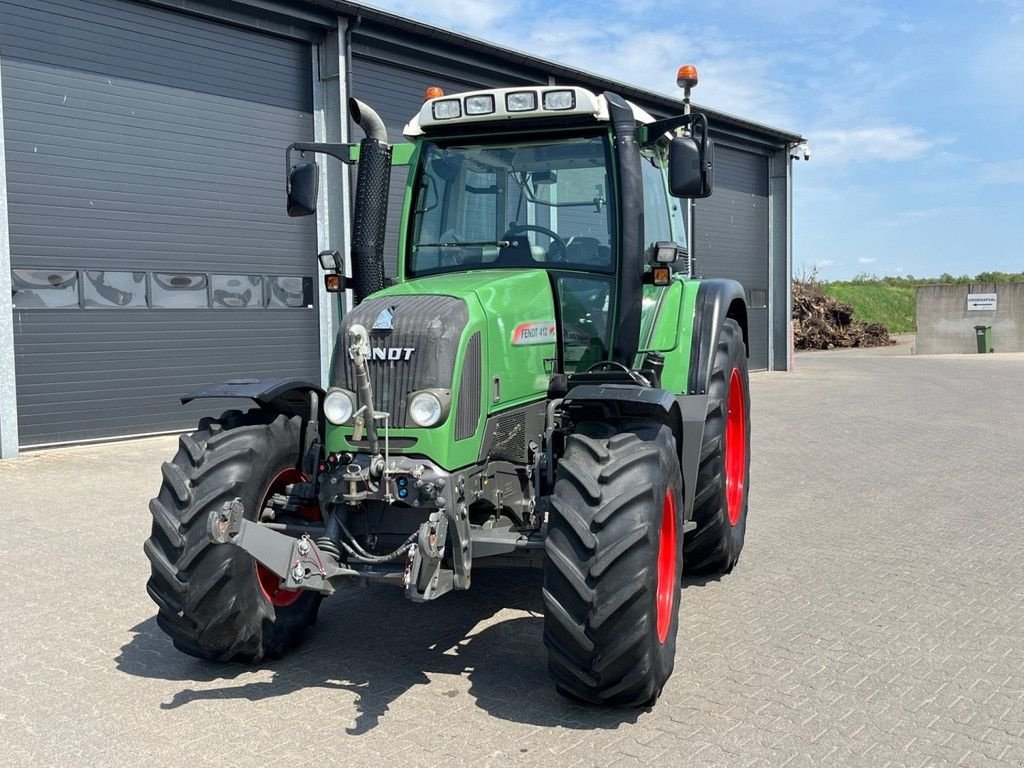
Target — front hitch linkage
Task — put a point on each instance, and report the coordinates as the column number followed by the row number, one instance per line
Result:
column 299, row 562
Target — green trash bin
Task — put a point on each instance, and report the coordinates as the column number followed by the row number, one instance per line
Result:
column 984, row 333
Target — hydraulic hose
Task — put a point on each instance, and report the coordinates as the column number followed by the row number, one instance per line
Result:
column 359, row 349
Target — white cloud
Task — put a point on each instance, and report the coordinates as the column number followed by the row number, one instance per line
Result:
column 884, row 142
column 824, row 263
column 996, row 69
column 867, row 260
column 1004, row 172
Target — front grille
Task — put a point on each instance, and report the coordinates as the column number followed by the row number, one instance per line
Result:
column 431, row 326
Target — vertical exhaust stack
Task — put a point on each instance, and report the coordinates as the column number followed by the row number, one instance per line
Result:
column 370, row 213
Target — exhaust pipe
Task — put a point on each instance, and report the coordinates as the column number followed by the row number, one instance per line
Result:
column 371, row 202
column 367, row 119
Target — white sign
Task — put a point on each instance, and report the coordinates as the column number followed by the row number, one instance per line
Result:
column 985, row 302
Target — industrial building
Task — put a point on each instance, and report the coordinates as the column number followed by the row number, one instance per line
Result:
column 144, row 246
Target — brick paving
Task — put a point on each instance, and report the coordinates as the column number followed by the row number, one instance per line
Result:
column 876, row 617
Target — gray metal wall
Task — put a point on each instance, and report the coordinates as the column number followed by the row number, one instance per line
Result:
column 144, row 141
column 732, row 236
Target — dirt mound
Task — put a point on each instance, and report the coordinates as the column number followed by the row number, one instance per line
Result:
column 821, row 321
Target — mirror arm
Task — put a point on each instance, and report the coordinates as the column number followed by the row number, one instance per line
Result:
column 343, row 152
column 347, row 153
column 652, row 132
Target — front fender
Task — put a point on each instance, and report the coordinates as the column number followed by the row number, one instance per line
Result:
column 289, row 396
column 716, row 301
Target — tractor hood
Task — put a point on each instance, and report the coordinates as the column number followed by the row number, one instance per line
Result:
column 484, row 339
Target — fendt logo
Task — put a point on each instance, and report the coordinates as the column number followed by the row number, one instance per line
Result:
column 390, row 353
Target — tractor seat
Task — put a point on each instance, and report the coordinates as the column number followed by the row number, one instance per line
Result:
column 581, row 249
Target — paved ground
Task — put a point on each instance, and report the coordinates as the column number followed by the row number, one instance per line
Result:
column 876, row 618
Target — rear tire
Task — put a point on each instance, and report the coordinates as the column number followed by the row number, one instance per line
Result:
column 210, row 598
column 614, row 557
column 723, row 480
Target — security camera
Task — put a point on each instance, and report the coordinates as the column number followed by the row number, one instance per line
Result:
column 800, row 150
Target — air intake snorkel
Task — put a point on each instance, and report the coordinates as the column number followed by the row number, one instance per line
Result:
column 371, row 202
column 629, row 287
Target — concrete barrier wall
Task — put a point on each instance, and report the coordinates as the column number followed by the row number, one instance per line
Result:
column 945, row 325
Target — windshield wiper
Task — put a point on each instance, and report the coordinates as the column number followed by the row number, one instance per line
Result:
column 471, row 243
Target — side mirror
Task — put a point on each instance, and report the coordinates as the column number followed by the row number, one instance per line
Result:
column 690, row 167
column 303, row 184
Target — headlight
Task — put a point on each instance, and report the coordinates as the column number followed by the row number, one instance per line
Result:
column 447, row 109
column 338, row 406
column 520, row 101
column 479, row 105
column 559, row 100
column 425, row 409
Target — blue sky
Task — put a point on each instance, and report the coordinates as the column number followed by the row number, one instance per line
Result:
column 914, row 111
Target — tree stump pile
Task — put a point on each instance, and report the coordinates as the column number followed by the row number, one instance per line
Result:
column 821, row 321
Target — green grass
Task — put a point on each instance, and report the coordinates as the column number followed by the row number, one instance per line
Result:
column 893, row 306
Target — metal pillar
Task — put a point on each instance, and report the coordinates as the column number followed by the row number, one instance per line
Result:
column 8, row 390
column 772, row 212
column 790, row 357
column 330, row 124
column 780, row 259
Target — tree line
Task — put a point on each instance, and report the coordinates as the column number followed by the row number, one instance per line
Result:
column 865, row 278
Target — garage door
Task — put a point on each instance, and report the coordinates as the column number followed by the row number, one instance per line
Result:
column 150, row 250
column 732, row 236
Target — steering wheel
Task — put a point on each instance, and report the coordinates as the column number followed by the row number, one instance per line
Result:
column 556, row 239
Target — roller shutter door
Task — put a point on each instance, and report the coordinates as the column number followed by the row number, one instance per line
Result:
column 732, row 236
column 150, row 249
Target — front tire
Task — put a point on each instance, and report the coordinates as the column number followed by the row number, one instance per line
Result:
column 214, row 601
column 723, row 480
column 614, row 557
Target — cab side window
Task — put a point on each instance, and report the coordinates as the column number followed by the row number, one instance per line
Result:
column 657, row 224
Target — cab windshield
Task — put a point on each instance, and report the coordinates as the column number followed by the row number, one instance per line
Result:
column 539, row 204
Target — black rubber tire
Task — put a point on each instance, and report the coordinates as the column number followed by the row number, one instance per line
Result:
column 601, row 570
column 209, row 597
column 715, row 546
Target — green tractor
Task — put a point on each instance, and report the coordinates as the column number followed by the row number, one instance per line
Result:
column 544, row 384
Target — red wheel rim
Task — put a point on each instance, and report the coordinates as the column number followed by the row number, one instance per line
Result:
column 735, row 448
column 270, row 582
column 667, row 570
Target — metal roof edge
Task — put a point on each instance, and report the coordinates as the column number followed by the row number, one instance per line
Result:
column 371, row 13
